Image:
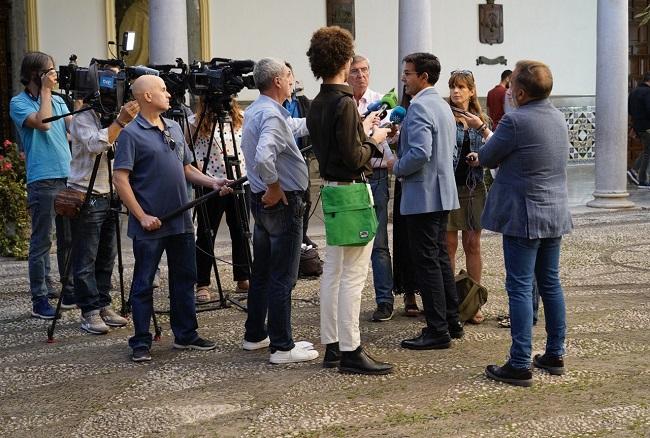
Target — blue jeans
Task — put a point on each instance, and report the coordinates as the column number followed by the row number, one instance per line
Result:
column 382, row 271
column 182, row 276
column 276, row 254
column 525, row 260
column 40, row 199
column 93, row 255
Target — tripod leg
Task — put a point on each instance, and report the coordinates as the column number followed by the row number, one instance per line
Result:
column 57, row 313
column 126, row 304
column 156, row 327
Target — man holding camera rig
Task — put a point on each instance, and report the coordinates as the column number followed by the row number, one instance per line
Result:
column 152, row 164
column 48, row 165
column 93, row 233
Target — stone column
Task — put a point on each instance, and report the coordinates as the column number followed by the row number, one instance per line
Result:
column 167, row 31
column 414, row 30
column 611, row 105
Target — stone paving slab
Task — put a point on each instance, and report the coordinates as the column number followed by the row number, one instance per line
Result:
column 84, row 385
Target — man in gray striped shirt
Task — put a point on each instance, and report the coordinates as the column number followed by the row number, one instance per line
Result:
column 278, row 177
column 93, row 232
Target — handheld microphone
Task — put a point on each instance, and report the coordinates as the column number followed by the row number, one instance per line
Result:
column 388, row 101
column 396, row 117
column 372, row 107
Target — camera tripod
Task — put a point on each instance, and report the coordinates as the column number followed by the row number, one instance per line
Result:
column 114, row 209
column 233, row 169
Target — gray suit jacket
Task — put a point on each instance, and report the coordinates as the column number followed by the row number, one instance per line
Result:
column 529, row 196
column 426, row 149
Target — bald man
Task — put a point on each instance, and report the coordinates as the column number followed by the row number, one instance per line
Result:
column 152, row 164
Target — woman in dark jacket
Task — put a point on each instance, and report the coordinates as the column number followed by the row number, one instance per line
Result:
column 343, row 150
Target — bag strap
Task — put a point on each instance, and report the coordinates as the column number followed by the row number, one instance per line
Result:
column 91, row 183
column 328, row 123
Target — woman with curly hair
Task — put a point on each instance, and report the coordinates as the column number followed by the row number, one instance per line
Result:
column 469, row 180
column 343, row 148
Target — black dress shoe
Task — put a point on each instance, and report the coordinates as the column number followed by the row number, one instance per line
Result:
column 456, row 329
column 553, row 364
column 358, row 362
column 509, row 374
column 332, row 357
column 426, row 341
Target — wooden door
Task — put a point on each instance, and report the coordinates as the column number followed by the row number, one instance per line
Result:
column 5, row 71
column 639, row 64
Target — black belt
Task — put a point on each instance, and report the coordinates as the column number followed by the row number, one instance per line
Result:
column 286, row 192
column 100, row 196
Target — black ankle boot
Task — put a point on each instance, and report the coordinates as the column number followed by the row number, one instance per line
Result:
column 332, row 355
column 358, row 362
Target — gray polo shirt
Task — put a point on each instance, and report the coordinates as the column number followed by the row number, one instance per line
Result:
column 269, row 146
column 157, row 176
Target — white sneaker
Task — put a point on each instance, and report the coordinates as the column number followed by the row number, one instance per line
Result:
column 251, row 346
column 296, row 355
column 304, row 344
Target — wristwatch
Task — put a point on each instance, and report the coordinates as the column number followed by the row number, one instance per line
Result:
column 122, row 124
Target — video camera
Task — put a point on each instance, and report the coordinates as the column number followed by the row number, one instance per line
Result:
column 221, row 78
column 104, row 84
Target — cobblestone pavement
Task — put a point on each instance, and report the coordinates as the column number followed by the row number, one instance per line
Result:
column 84, row 385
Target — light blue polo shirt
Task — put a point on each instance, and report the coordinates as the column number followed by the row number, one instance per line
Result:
column 47, row 153
column 157, row 174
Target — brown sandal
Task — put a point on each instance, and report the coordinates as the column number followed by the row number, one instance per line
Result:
column 410, row 305
column 203, row 294
column 242, row 287
column 477, row 319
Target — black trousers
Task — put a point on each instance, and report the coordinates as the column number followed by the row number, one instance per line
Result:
column 427, row 238
column 215, row 208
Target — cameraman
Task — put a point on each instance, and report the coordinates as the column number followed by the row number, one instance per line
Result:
column 152, row 164
column 93, row 234
column 48, row 165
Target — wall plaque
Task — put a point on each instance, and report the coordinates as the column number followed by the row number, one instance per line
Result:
column 490, row 19
column 341, row 13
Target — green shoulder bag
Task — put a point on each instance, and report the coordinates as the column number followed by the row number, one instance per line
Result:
column 349, row 214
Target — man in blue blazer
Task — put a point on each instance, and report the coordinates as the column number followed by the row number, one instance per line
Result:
column 425, row 166
column 528, row 204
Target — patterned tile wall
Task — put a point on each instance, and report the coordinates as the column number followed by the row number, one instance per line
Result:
column 581, row 121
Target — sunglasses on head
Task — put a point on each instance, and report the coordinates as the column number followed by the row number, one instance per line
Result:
column 462, row 72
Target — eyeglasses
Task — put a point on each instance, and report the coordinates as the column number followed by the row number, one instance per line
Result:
column 168, row 139
column 462, row 72
column 359, row 71
column 47, row 71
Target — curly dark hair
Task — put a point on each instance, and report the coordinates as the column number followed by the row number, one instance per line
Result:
column 330, row 48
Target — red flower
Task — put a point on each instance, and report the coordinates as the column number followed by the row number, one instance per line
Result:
column 7, row 166
column 22, row 156
column 7, row 143
column 2, row 157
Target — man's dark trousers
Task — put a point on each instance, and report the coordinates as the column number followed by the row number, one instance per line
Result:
column 276, row 254
column 427, row 237
column 182, row 277
column 93, row 254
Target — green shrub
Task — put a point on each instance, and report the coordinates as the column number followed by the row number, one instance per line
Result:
column 14, row 219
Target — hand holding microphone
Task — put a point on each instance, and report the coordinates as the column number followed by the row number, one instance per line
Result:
column 388, row 101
